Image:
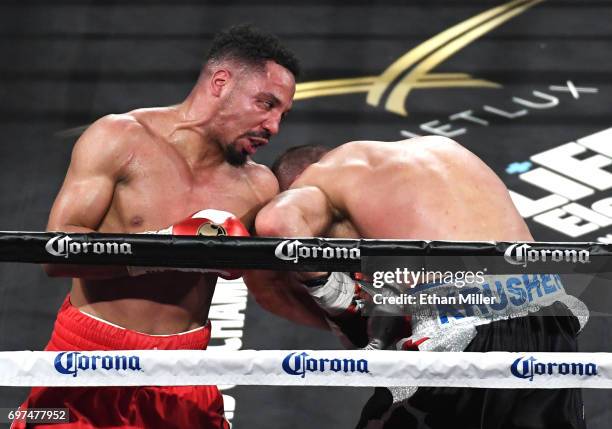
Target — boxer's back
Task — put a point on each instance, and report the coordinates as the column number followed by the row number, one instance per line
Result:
column 424, row 188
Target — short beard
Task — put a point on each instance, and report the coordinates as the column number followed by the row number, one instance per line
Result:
column 234, row 156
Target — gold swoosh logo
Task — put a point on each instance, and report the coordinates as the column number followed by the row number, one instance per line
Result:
column 431, row 53
column 426, row 56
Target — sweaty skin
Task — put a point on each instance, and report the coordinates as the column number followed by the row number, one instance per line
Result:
column 425, row 188
column 150, row 168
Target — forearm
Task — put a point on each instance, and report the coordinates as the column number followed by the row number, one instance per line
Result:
column 91, row 272
column 281, row 294
column 303, row 212
column 287, row 221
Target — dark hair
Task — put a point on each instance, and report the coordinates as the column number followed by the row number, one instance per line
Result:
column 291, row 163
column 247, row 44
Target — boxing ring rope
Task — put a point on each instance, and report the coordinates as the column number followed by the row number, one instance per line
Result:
column 306, row 368
column 298, row 367
column 281, row 254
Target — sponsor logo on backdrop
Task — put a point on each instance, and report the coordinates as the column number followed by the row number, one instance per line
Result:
column 563, row 171
column 64, row 246
column 528, row 368
column 521, row 254
column 293, row 250
column 71, row 363
column 543, row 99
column 565, row 174
column 414, row 69
column 301, row 363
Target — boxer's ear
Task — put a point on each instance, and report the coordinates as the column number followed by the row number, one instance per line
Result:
column 219, row 82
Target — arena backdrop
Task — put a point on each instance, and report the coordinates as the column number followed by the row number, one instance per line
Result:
column 526, row 85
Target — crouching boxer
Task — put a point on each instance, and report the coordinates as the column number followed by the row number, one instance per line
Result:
column 427, row 188
column 145, row 170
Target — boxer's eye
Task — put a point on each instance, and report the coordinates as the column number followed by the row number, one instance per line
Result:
column 266, row 105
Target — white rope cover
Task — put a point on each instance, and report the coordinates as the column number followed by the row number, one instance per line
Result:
column 306, row 368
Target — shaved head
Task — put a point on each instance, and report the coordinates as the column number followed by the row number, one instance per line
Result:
column 290, row 164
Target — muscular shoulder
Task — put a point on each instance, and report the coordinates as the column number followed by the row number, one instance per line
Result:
column 337, row 175
column 419, row 154
column 262, row 179
column 112, row 132
column 404, row 151
column 108, row 143
column 351, row 154
column 443, row 157
column 355, row 167
column 340, row 167
column 114, row 129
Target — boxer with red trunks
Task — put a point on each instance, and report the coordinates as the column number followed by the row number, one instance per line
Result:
column 141, row 406
column 148, row 169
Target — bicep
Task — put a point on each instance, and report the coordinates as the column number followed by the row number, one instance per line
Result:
column 82, row 201
column 88, row 187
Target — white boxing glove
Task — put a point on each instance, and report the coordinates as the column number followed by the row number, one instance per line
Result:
column 334, row 294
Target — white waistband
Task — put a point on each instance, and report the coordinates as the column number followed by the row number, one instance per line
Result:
column 144, row 333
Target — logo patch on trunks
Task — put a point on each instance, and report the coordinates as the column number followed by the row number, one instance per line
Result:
column 511, row 294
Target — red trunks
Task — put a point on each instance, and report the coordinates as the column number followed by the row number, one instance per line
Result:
column 126, row 407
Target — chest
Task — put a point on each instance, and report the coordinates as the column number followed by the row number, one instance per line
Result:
column 166, row 192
